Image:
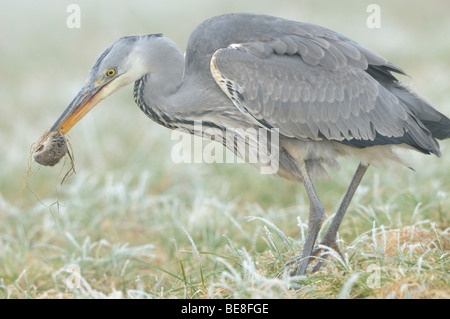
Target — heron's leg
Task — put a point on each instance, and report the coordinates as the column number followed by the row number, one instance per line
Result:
column 329, row 239
column 315, row 218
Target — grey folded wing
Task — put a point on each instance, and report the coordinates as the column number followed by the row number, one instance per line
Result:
column 317, row 87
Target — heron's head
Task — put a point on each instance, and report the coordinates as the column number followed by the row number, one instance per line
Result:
column 123, row 62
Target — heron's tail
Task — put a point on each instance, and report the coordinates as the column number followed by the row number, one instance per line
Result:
column 437, row 123
column 427, row 124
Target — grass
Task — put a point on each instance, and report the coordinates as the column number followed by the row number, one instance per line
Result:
column 127, row 242
column 132, row 224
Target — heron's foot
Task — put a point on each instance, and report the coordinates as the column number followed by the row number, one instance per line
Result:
column 323, row 251
column 326, row 244
column 301, row 263
column 290, row 263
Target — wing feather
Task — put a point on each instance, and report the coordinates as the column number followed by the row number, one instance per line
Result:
column 315, row 87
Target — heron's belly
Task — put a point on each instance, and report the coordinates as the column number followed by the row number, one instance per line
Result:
column 319, row 154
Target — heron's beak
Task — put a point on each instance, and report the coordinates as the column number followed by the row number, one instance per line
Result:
column 86, row 99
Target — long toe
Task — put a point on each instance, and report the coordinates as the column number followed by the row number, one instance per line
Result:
column 301, row 270
column 299, row 264
column 325, row 252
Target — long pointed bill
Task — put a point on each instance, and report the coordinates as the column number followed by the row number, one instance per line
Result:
column 84, row 101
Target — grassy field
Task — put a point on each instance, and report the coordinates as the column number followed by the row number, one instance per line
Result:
column 133, row 224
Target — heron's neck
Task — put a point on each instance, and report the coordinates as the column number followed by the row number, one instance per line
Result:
column 172, row 98
column 165, row 64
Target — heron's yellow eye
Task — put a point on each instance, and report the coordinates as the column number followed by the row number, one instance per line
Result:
column 110, row 72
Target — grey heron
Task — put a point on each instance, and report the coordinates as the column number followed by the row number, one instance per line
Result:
column 325, row 94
